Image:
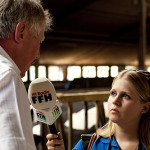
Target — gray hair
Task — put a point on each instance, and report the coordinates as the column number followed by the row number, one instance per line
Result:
column 29, row 11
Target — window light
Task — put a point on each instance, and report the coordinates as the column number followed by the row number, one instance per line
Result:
column 89, row 71
column 103, row 71
column 32, row 73
column 41, row 71
column 55, row 73
column 73, row 72
column 25, row 78
column 114, row 71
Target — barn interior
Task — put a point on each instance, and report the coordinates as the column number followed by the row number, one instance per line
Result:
column 95, row 32
column 92, row 33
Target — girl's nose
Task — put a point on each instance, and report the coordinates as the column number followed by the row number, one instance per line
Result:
column 117, row 101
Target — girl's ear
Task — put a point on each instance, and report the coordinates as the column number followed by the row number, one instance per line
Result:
column 146, row 108
column 19, row 32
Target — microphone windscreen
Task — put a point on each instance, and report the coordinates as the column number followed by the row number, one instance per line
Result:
column 41, row 93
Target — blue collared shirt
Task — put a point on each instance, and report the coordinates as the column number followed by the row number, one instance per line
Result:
column 101, row 144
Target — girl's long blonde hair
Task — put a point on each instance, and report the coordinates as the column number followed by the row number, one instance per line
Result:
column 141, row 84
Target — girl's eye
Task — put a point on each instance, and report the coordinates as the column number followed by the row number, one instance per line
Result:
column 126, row 96
column 113, row 93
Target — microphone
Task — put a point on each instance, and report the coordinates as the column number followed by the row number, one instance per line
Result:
column 46, row 107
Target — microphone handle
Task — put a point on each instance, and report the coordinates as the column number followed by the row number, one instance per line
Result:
column 52, row 129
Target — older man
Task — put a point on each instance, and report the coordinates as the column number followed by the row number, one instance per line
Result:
column 22, row 27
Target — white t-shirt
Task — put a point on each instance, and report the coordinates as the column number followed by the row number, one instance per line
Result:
column 15, row 117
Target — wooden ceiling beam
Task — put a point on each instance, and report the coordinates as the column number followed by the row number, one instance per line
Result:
column 71, row 8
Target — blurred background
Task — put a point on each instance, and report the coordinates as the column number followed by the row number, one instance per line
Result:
column 90, row 42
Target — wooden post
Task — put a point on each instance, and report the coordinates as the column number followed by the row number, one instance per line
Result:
column 142, row 35
column 97, row 115
column 44, row 133
column 86, row 115
column 47, row 71
column 70, row 126
column 100, row 114
column 36, row 68
column 65, row 72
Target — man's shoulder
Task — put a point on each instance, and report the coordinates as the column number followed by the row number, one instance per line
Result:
column 6, row 71
column 4, row 64
column 7, row 74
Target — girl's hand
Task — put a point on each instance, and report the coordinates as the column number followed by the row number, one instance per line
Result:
column 55, row 142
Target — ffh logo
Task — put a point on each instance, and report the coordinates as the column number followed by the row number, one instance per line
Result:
column 40, row 97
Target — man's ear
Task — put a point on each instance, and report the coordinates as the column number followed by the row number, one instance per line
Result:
column 19, row 32
column 146, row 107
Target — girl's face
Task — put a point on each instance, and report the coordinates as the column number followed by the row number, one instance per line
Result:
column 124, row 103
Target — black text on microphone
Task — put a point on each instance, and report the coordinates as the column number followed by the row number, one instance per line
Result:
column 42, row 97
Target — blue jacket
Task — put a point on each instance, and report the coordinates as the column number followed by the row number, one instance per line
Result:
column 101, row 144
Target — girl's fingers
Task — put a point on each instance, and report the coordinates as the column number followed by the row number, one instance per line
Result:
column 55, row 143
column 51, row 136
column 60, row 136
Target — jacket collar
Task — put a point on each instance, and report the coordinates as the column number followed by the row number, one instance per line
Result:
column 107, row 141
column 114, row 142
